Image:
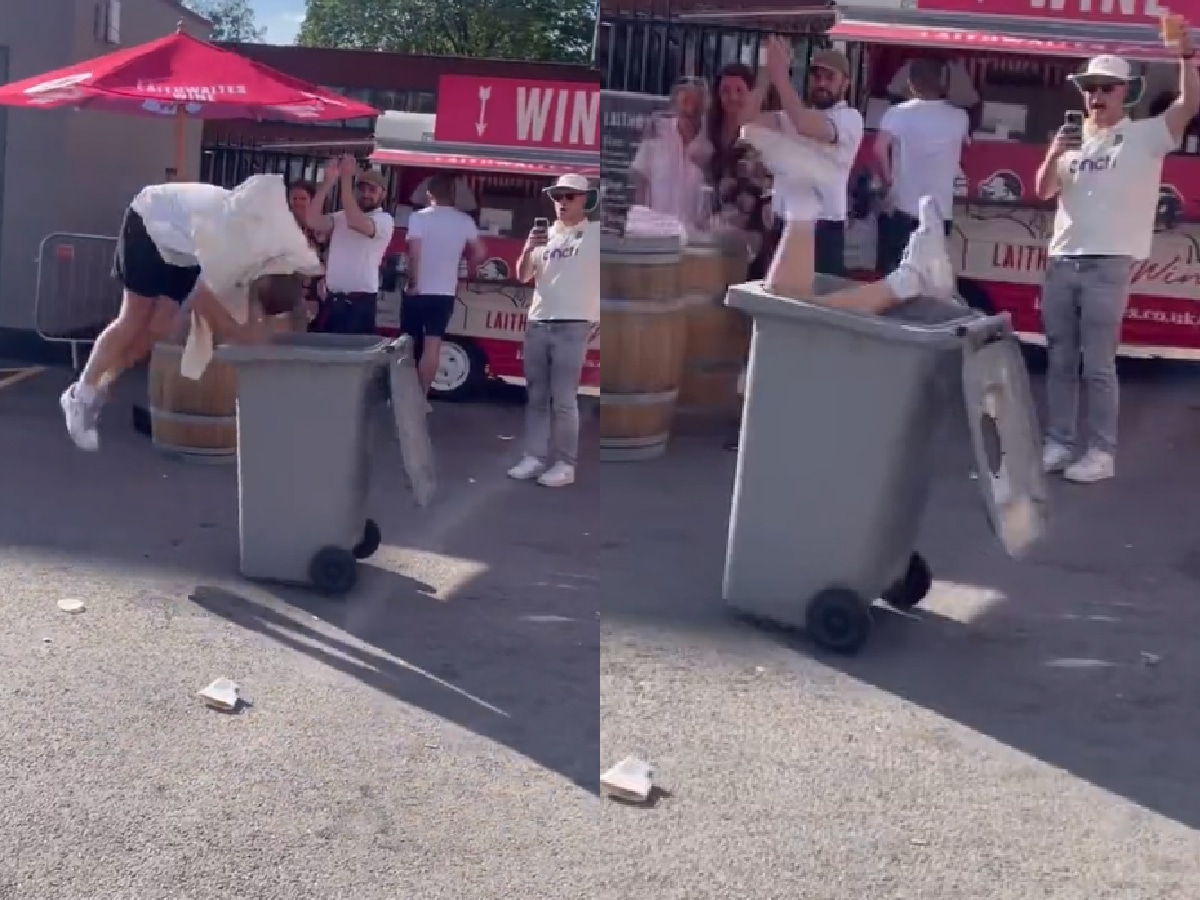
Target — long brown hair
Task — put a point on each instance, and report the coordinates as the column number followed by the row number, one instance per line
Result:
column 715, row 111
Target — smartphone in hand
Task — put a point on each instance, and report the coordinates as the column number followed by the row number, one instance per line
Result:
column 1072, row 129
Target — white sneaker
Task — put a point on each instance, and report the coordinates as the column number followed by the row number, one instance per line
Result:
column 925, row 269
column 529, row 467
column 81, row 420
column 558, row 475
column 1093, row 466
column 1055, row 457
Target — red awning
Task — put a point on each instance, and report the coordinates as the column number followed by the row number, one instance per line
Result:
column 1024, row 36
column 432, row 159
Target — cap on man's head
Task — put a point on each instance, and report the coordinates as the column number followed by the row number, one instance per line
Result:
column 370, row 176
column 832, row 60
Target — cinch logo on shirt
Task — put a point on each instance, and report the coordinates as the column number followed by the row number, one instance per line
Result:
column 568, row 250
column 1103, row 164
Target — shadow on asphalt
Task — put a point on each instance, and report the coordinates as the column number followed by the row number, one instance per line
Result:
column 1083, row 655
column 508, row 648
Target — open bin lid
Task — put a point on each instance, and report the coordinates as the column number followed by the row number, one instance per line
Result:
column 1006, row 437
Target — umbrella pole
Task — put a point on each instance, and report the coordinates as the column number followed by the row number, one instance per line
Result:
column 180, row 141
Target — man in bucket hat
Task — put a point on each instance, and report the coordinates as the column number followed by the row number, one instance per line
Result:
column 1106, row 178
column 564, row 264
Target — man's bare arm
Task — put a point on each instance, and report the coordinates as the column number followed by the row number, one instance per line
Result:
column 414, row 260
column 356, row 219
column 316, row 218
column 1187, row 104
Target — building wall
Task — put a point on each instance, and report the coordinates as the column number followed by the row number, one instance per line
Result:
column 68, row 170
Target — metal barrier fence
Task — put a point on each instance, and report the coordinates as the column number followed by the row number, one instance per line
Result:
column 76, row 295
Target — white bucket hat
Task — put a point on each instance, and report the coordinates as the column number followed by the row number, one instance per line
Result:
column 1110, row 69
column 575, row 184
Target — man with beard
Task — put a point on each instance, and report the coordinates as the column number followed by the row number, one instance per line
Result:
column 824, row 117
column 1106, row 178
column 359, row 235
column 666, row 176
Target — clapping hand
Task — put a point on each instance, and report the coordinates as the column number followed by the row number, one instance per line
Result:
column 778, row 59
column 347, row 166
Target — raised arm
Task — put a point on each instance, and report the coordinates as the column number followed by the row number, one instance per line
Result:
column 316, row 218
column 1187, row 104
column 811, row 123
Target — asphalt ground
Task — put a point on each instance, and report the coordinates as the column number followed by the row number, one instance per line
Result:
column 1029, row 733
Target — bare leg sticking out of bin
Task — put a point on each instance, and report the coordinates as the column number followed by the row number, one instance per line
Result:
column 800, row 168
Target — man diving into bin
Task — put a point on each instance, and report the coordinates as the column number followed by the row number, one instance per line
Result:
column 203, row 246
column 797, row 144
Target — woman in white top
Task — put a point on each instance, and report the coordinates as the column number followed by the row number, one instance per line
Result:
column 666, row 176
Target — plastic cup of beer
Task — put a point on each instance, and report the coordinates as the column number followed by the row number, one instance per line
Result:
column 1173, row 28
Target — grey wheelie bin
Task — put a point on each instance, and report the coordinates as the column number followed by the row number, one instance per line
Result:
column 306, row 408
column 841, row 418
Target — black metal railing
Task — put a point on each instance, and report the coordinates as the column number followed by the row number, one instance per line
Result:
column 646, row 54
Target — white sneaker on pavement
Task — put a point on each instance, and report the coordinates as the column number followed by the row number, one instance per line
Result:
column 925, row 269
column 558, row 475
column 81, row 420
column 1055, row 457
column 1093, row 466
column 528, row 468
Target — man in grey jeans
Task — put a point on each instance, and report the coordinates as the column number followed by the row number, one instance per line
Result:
column 1106, row 176
column 563, row 261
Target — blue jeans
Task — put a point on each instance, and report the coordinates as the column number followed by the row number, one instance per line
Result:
column 554, row 356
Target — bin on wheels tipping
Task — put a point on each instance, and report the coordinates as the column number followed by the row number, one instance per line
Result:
column 305, row 411
column 835, row 461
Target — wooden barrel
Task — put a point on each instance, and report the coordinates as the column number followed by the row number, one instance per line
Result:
column 642, row 319
column 718, row 338
column 194, row 420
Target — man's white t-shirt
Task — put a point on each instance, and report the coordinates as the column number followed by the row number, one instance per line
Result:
column 1109, row 195
column 464, row 197
column 926, row 152
column 848, row 126
column 444, row 234
column 353, row 261
column 667, row 163
column 567, row 279
column 168, row 212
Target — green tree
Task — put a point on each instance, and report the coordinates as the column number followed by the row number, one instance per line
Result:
column 540, row 30
column 233, row 20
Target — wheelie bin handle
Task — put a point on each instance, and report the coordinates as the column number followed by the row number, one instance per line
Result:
column 986, row 330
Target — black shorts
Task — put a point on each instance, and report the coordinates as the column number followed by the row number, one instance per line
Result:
column 426, row 315
column 141, row 269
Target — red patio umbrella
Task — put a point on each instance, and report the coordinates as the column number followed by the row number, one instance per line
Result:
column 185, row 78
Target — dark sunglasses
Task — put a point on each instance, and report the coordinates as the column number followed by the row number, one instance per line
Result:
column 1098, row 88
column 565, row 197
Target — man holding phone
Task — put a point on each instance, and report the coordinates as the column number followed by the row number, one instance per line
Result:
column 563, row 262
column 1105, row 171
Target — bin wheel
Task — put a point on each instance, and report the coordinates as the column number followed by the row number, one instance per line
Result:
column 913, row 586
column 371, row 539
column 838, row 620
column 333, row 571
